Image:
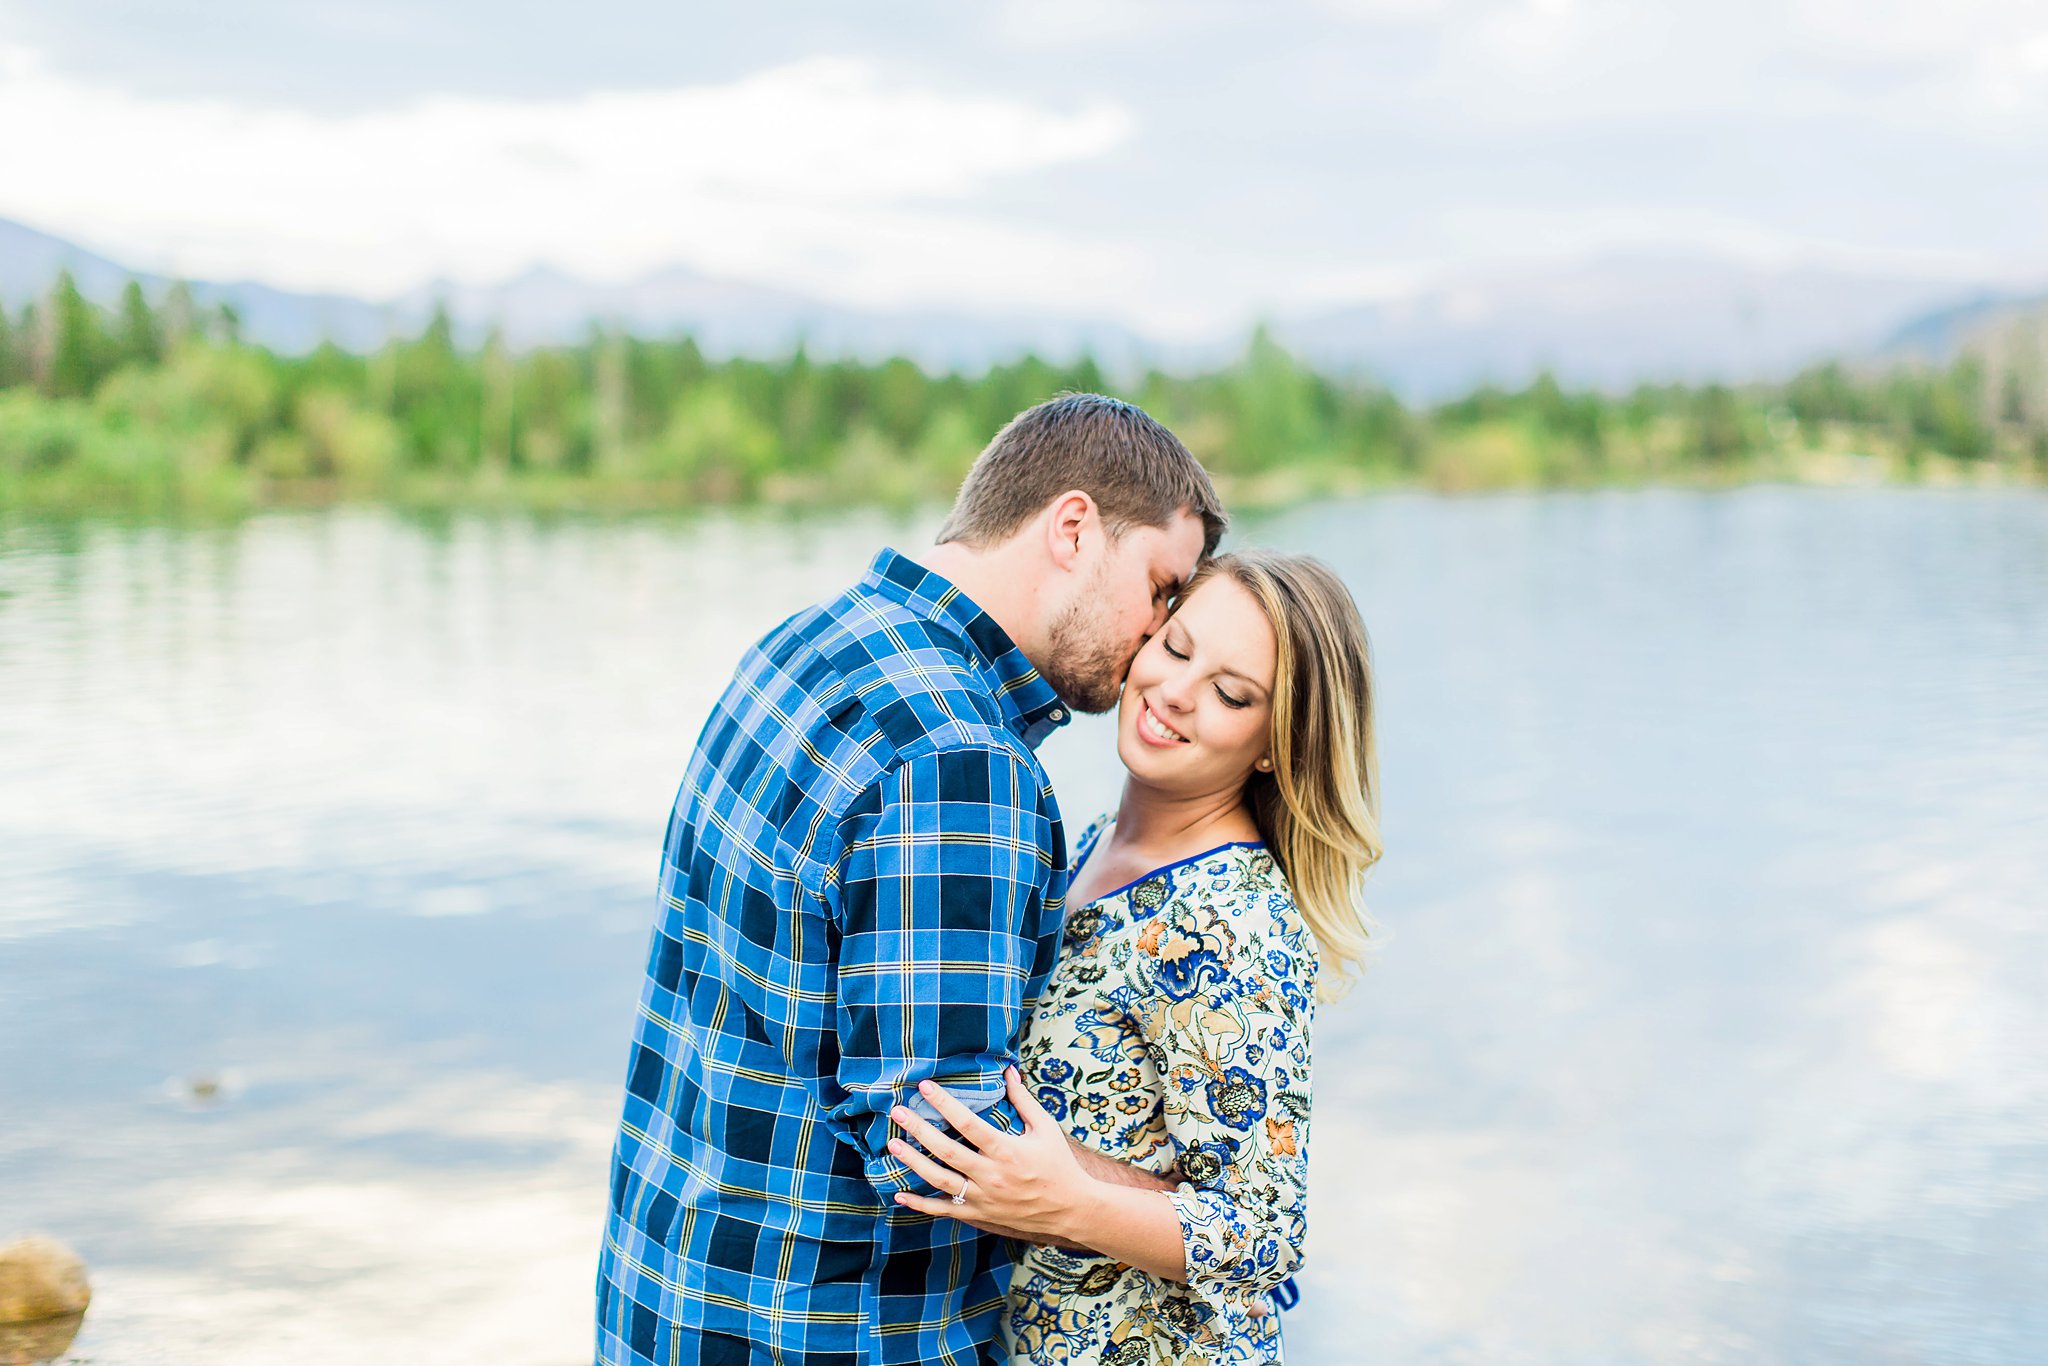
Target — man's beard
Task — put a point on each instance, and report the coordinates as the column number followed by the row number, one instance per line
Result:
column 1083, row 667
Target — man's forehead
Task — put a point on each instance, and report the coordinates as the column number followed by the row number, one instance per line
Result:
column 1169, row 555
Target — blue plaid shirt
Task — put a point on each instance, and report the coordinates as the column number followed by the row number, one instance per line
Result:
column 861, row 888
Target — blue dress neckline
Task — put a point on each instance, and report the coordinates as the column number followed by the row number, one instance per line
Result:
column 1082, row 862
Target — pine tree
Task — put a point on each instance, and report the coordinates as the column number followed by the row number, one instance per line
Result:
column 138, row 337
column 612, row 400
column 79, row 347
column 36, row 345
column 178, row 315
column 495, row 420
column 10, row 364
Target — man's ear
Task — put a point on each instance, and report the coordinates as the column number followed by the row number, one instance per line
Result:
column 1071, row 517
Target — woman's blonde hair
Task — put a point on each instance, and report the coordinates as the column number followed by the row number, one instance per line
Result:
column 1319, row 808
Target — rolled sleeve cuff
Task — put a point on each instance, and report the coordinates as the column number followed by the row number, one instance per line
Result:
column 870, row 1134
column 1231, row 1258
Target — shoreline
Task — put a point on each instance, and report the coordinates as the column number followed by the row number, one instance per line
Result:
column 60, row 496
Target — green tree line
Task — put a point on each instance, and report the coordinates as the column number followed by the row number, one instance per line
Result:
column 160, row 403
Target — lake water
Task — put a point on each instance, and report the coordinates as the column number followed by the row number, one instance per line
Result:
column 1708, row 1024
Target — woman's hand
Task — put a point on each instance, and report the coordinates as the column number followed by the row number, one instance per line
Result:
column 1027, row 1184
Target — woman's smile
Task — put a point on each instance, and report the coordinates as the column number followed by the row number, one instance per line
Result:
column 1155, row 731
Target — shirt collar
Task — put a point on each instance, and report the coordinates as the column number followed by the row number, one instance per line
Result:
column 1030, row 706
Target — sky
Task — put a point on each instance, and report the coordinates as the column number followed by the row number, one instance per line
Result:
column 1178, row 167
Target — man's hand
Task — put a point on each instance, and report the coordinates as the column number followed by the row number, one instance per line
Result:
column 1118, row 1173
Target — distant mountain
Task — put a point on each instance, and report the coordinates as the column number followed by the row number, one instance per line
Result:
column 29, row 260
column 731, row 317
column 1941, row 334
column 1614, row 321
column 278, row 318
column 728, row 317
column 1609, row 321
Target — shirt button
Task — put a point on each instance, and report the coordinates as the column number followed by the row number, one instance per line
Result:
column 1056, row 715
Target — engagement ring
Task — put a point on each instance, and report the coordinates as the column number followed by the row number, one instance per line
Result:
column 961, row 1198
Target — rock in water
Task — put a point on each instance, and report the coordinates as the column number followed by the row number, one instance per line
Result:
column 23, row 1344
column 40, row 1278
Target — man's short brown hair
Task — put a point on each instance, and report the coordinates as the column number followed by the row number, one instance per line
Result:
column 1138, row 473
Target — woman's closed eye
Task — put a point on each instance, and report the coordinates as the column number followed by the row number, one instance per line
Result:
column 1236, row 703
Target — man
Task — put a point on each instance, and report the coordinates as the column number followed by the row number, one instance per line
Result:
column 862, row 889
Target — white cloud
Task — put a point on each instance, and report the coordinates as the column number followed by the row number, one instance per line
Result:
column 2012, row 80
column 1179, row 168
column 1905, row 30
column 1050, row 25
column 1378, row 12
column 818, row 161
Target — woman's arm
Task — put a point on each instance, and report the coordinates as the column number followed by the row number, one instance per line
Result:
column 1033, row 1185
column 1139, row 1228
column 1229, row 1020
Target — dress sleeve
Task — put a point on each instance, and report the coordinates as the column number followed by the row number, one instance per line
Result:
column 1228, row 1025
column 942, row 920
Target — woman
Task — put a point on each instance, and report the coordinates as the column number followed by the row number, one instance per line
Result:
column 1174, row 1033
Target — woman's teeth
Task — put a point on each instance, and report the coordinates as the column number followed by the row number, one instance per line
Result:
column 1152, row 723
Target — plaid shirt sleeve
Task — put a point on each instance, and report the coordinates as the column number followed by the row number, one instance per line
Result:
column 941, row 908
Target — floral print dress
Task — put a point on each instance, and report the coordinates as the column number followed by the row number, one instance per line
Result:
column 1175, row 1032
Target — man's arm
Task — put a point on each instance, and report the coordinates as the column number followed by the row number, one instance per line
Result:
column 1118, row 1173
column 940, row 907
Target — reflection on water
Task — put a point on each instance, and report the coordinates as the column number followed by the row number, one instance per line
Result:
column 1704, row 1028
